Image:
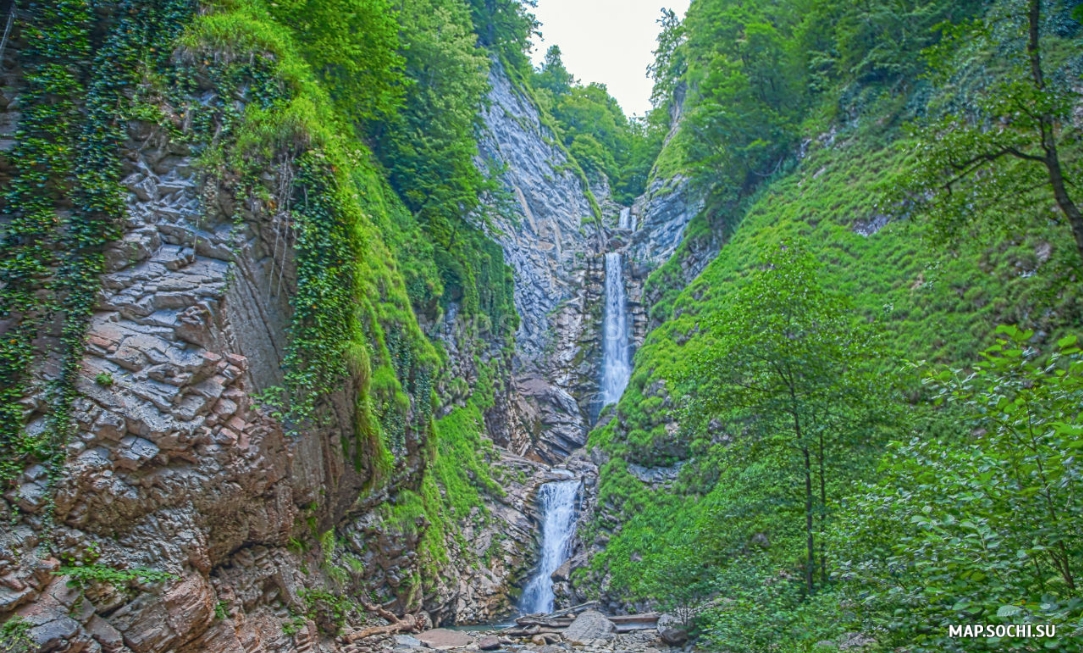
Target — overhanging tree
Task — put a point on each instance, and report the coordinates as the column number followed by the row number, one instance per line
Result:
column 1007, row 149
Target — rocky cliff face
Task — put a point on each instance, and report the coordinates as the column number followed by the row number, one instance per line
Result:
column 662, row 213
column 552, row 241
column 176, row 467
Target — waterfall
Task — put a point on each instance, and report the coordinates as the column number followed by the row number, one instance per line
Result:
column 626, row 221
column 558, row 508
column 616, row 354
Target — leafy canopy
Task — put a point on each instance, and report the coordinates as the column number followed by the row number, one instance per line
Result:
column 352, row 45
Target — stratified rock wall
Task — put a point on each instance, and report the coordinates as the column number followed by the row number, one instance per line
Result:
column 661, row 215
column 175, row 467
column 551, row 240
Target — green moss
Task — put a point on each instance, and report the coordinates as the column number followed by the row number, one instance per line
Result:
column 459, row 465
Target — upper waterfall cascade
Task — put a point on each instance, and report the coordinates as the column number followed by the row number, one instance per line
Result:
column 616, row 354
column 559, row 511
column 626, row 221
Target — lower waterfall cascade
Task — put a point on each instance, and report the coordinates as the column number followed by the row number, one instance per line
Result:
column 616, row 347
column 559, row 510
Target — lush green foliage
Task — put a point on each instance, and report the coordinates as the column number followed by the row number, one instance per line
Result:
column 794, row 374
column 594, row 129
column 65, row 195
column 451, row 490
column 429, row 146
column 1005, row 141
column 505, row 28
column 805, row 104
column 978, row 524
column 352, row 45
column 760, row 73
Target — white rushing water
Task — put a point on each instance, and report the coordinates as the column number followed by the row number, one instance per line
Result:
column 626, row 221
column 616, row 351
column 558, row 509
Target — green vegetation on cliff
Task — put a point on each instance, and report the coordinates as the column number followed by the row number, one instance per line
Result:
column 797, row 126
column 64, row 203
column 347, row 129
column 381, row 253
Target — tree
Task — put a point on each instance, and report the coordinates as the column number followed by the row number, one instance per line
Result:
column 669, row 63
column 553, row 76
column 505, row 27
column 429, row 147
column 876, row 40
column 353, row 46
column 795, row 368
column 1010, row 146
column 748, row 94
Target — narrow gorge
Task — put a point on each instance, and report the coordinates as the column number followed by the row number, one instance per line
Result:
column 359, row 326
column 186, row 508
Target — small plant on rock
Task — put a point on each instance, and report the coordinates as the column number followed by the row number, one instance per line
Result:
column 15, row 637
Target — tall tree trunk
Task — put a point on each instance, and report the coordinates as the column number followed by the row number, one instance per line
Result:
column 823, row 514
column 810, row 543
column 1048, row 127
column 1060, row 190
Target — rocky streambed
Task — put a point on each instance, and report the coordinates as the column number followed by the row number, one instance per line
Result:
column 588, row 632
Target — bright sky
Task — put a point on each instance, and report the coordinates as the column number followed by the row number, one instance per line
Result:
column 607, row 41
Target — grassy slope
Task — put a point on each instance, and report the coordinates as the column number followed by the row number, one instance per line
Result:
column 934, row 305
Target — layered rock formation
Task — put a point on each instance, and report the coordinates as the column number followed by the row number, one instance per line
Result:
column 177, row 471
column 552, row 241
column 662, row 213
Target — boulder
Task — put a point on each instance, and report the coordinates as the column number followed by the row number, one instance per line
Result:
column 488, row 643
column 408, row 641
column 589, row 625
column 53, row 635
column 563, row 572
column 674, row 636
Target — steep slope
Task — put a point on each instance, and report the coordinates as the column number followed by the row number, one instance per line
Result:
column 935, row 308
column 667, row 488
column 553, row 243
column 679, row 522
column 268, row 423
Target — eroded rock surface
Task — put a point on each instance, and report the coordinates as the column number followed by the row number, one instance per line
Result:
column 553, row 244
column 662, row 214
column 175, row 468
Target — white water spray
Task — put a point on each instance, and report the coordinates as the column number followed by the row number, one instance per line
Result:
column 616, row 352
column 558, row 508
column 626, row 221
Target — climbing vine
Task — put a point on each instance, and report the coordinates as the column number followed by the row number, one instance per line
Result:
column 57, row 37
column 323, row 311
column 65, row 196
